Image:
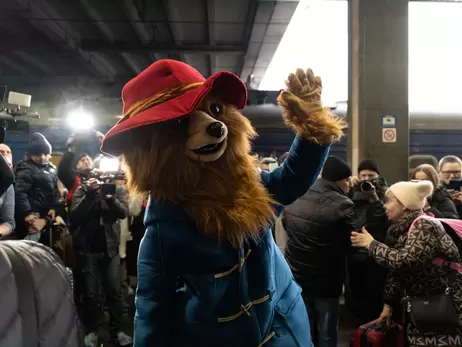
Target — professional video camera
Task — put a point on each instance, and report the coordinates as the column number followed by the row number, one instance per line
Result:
column 368, row 185
column 106, row 175
column 9, row 116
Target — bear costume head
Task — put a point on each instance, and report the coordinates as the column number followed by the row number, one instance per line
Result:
column 184, row 140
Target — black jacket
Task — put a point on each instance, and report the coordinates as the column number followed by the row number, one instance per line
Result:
column 372, row 216
column 36, row 188
column 318, row 227
column 441, row 204
column 90, row 215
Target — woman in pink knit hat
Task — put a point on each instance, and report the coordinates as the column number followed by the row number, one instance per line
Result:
column 432, row 291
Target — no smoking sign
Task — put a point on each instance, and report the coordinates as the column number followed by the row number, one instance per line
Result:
column 389, row 135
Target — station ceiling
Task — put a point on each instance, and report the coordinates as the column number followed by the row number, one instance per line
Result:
column 90, row 48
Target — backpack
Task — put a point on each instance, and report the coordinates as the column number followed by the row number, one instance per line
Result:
column 453, row 228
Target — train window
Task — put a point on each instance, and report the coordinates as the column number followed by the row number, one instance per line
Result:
column 419, row 159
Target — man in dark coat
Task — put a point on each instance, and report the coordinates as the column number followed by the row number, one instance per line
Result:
column 318, row 227
column 366, row 279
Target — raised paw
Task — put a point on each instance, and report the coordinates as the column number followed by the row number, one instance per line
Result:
column 304, row 85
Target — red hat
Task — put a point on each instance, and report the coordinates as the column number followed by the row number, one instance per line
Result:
column 166, row 90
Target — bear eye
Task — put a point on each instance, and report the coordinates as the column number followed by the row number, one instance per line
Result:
column 215, row 109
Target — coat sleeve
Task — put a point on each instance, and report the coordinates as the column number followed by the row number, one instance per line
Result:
column 82, row 202
column 7, row 209
column 417, row 249
column 154, row 296
column 348, row 223
column 298, row 172
column 117, row 204
column 66, row 171
column 447, row 208
column 22, row 189
column 391, row 290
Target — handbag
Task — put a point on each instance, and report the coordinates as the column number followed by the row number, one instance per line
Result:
column 434, row 313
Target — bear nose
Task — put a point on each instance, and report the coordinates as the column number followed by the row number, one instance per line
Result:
column 216, row 129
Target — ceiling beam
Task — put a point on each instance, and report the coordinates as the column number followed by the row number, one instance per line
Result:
column 209, row 19
column 177, row 55
column 103, row 46
column 108, row 33
column 247, row 34
column 7, row 61
column 32, row 60
column 129, row 46
column 145, row 33
column 62, row 32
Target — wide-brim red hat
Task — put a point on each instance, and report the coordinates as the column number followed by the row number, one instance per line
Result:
column 166, row 90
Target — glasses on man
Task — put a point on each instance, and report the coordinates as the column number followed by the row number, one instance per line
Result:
column 455, row 174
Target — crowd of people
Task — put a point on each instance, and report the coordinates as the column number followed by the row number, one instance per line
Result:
column 348, row 235
column 47, row 203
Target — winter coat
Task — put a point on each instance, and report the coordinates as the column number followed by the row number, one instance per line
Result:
column 191, row 292
column 36, row 291
column 318, row 227
column 36, row 188
column 90, row 215
column 411, row 269
column 441, row 205
column 365, row 278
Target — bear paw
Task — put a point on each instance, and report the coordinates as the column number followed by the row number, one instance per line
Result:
column 304, row 112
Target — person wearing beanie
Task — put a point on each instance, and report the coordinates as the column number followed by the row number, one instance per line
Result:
column 36, row 189
column 417, row 240
column 318, row 227
column 364, row 284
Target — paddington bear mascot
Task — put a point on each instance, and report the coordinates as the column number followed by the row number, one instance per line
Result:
column 209, row 271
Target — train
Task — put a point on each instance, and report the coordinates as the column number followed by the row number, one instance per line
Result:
column 432, row 134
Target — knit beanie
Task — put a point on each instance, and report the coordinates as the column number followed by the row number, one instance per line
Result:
column 335, row 169
column 39, row 145
column 368, row 164
column 412, row 194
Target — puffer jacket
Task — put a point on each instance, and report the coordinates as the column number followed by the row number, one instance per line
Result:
column 441, row 204
column 36, row 188
column 36, row 300
column 318, row 227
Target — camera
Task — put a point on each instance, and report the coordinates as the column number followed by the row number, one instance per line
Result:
column 106, row 175
column 368, row 185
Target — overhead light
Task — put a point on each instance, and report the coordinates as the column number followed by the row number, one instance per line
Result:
column 80, row 120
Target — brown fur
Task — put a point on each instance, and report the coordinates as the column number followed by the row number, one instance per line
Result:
column 225, row 197
column 303, row 111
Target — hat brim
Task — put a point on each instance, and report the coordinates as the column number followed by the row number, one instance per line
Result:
column 224, row 85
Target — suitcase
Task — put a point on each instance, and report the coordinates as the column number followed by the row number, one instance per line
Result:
column 375, row 334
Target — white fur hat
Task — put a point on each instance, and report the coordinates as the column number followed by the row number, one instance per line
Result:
column 412, row 194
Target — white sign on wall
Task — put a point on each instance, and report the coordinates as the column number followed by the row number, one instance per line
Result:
column 389, row 135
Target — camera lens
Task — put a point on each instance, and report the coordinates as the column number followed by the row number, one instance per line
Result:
column 366, row 186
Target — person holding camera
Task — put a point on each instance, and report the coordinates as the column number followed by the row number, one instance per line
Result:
column 365, row 280
column 95, row 214
column 71, row 173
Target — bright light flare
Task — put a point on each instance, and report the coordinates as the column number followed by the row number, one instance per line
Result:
column 109, row 164
column 80, row 120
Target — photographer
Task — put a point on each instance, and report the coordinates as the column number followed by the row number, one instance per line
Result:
column 70, row 174
column 94, row 219
column 365, row 278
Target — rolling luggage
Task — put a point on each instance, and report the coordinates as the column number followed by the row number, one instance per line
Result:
column 375, row 334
